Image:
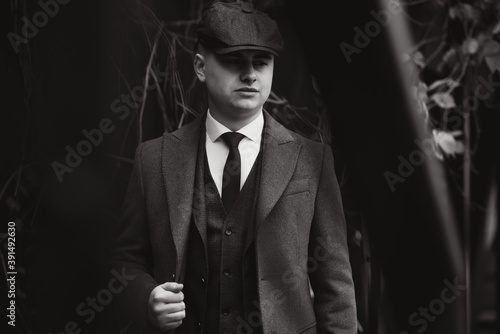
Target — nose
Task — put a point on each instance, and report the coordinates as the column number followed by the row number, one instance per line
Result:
column 248, row 74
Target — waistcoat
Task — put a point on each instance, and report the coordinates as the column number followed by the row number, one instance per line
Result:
column 220, row 285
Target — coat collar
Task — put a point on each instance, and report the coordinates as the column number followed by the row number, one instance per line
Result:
column 179, row 155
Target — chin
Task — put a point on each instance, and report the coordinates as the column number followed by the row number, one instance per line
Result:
column 247, row 107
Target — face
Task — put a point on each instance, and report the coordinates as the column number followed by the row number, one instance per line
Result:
column 238, row 83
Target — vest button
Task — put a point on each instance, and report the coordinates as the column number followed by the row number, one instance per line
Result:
column 225, row 311
column 229, row 232
column 173, row 276
column 227, row 273
column 203, row 281
column 199, row 324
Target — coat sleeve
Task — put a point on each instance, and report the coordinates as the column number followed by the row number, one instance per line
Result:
column 131, row 252
column 332, row 283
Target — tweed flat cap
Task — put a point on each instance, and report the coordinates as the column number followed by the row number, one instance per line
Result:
column 228, row 27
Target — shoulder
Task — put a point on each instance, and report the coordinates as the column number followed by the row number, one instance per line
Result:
column 149, row 148
column 282, row 134
column 311, row 153
column 310, row 150
column 308, row 144
column 153, row 147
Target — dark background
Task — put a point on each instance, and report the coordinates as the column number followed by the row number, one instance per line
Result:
column 65, row 80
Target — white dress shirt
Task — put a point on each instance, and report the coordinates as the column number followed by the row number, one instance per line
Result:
column 217, row 150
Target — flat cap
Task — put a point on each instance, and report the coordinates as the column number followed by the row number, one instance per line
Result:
column 228, row 27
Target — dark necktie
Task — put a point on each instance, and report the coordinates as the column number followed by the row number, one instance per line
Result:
column 232, row 170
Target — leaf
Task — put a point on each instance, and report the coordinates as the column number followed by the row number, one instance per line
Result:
column 464, row 12
column 357, row 237
column 454, row 12
column 470, row 12
column 449, row 59
column 470, row 46
column 424, row 110
column 493, row 63
column 422, row 90
column 418, row 59
column 491, row 47
column 447, row 142
column 449, row 82
column 496, row 29
column 449, row 54
column 491, row 52
column 444, row 100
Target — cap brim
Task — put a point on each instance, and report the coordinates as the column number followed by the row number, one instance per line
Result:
column 229, row 49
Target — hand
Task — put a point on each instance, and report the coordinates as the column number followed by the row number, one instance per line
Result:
column 166, row 307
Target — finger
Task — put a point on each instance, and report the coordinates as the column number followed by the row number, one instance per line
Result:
column 174, row 317
column 170, row 325
column 172, row 286
column 162, row 296
column 174, row 307
column 165, row 308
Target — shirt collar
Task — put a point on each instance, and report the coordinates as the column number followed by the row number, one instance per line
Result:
column 252, row 130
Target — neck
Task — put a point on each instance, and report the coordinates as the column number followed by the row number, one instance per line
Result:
column 233, row 123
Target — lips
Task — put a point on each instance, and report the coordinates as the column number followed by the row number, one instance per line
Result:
column 248, row 89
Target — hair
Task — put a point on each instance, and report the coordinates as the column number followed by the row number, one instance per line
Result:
column 200, row 47
column 196, row 48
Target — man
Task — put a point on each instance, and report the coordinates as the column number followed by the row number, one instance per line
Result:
column 229, row 221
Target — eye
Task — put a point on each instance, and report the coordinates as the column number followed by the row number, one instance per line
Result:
column 259, row 63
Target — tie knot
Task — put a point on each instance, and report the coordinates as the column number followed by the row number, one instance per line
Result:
column 232, row 139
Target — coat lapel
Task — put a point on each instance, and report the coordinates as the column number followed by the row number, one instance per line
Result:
column 179, row 154
column 280, row 153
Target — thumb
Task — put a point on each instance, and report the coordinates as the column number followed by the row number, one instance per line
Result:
column 172, row 286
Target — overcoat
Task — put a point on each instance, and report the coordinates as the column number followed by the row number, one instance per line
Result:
column 300, row 236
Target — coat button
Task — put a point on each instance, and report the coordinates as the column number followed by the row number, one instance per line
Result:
column 229, row 232
column 173, row 276
column 227, row 273
column 225, row 311
column 199, row 324
column 202, row 281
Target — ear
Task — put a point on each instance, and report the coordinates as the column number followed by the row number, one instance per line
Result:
column 199, row 66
